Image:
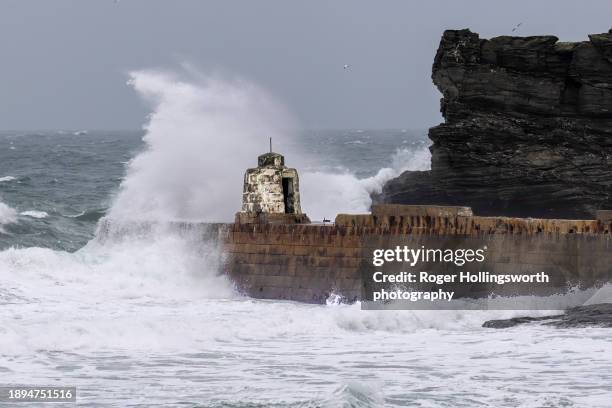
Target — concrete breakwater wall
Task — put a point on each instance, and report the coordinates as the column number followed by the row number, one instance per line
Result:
column 308, row 262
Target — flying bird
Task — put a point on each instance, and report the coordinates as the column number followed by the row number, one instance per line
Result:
column 517, row 27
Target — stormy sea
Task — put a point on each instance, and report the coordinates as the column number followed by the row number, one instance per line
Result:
column 100, row 290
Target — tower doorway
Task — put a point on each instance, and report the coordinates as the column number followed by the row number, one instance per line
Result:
column 289, row 195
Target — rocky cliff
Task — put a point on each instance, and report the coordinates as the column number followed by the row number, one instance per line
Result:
column 527, row 131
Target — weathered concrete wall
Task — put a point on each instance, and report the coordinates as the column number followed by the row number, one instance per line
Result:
column 309, row 262
column 297, row 262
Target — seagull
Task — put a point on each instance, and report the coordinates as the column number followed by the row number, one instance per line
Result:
column 346, row 66
column 517, row 27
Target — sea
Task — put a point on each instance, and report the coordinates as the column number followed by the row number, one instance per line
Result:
column 100, row 290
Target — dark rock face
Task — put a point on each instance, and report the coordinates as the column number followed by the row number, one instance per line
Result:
column 527, row 132
column 599, row 315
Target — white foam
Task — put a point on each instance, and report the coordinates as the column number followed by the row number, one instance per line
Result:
column 602, row 295
column 7, row 215
column 34, row 214
column 6, row 178
column 202, row 135
column 121, row 292
column 200, row 138
column 143, row 306
column 326, row 194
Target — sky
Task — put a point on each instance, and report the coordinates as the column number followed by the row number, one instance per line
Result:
column 64, row 63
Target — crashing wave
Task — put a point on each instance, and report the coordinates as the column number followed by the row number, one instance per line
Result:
column 89, row 215
column 326, row 194
column 7, row 216
column 353, row 395
column 34, row 214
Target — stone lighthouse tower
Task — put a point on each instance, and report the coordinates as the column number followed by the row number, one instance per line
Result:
column 271, row 193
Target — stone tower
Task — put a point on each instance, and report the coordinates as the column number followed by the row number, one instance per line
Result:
column 271, row 193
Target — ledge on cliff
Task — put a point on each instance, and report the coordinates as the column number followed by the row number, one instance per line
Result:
column 527, row 132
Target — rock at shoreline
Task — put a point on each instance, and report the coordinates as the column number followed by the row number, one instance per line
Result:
column 527, row 132
column 599, row 315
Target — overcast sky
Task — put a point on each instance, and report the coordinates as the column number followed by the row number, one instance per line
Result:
column 64, row 63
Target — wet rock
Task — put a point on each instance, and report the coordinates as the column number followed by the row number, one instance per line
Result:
column 599, row 315
column 527, row 131
column 515, row 321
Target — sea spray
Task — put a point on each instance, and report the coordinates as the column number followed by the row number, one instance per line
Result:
column 200, row 138
column 142, row 310
column 325, row 194
column 601, row 295
column 7, row 215
column 204, row 132
column 34, row 214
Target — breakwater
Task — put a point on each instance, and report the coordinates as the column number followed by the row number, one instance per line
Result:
column 309, row 262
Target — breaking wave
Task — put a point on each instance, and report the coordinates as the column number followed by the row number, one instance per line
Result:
column 34, row 214
column 148, row 281
column 602, row 295
column 143, row 264
column 90, row 215
column 202, row 135
column 326, row 194
column 7, row 215
column 354, row 395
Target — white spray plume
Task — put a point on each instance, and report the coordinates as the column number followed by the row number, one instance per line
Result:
column 200, row 138
column 7, row 215
column 325, row 194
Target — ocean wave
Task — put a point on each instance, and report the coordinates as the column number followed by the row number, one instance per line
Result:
column 18, row 179
column 7, row 216
column 602, row 295
column 354, row 395
column 325, row 194
column 152, row 272
column 126, row 288
column 169, row 180
column 89, row 215
column 34, row 214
